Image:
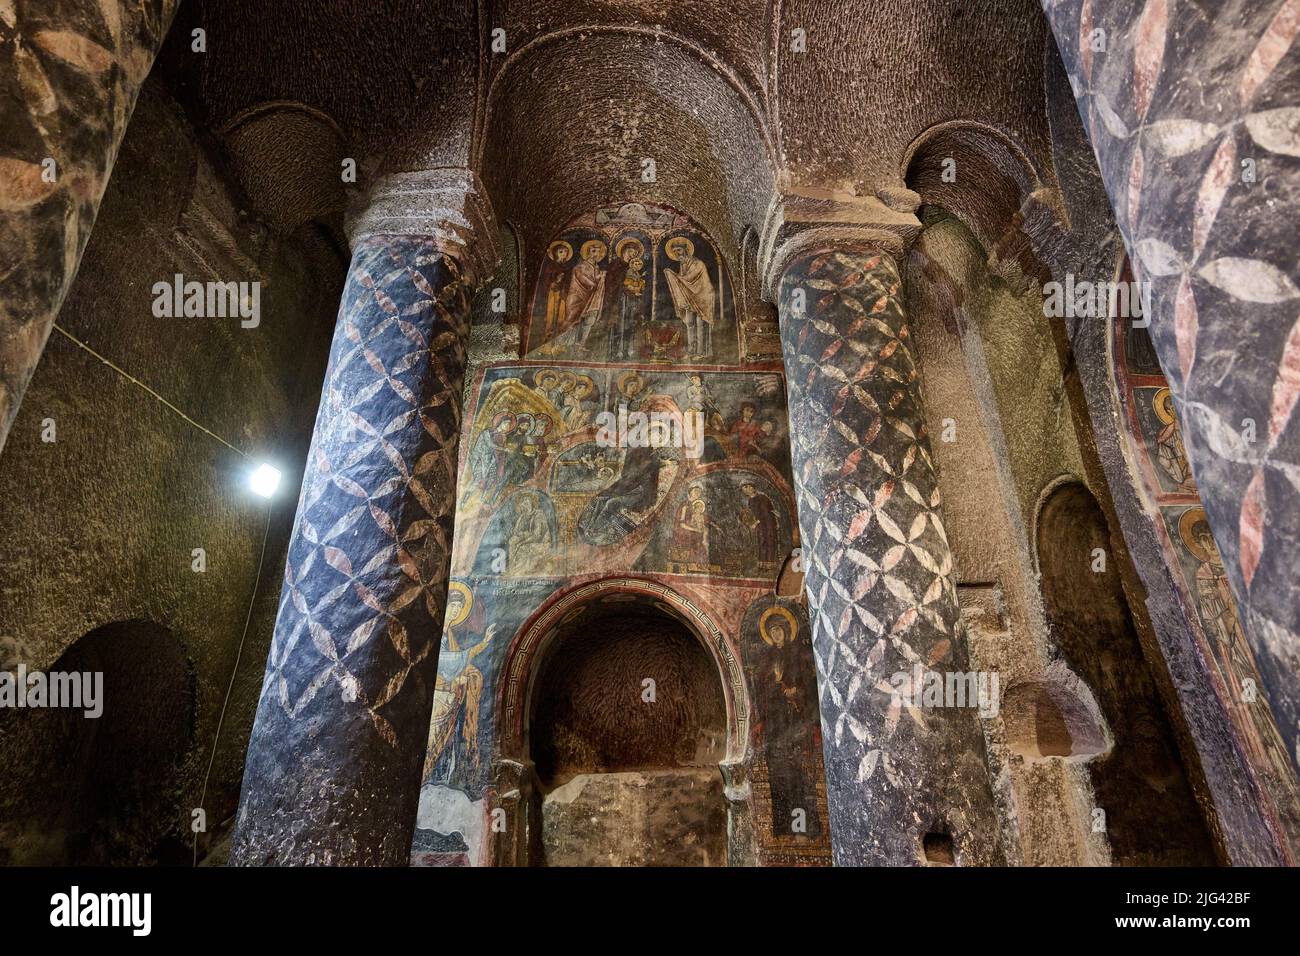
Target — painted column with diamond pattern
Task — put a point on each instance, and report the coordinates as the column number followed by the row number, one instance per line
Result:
column 72, row 71
column 1191, row 111
column 333, row 766
column 879, row 570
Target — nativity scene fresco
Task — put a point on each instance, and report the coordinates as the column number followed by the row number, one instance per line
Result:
column 634, row 283
column 583, row 468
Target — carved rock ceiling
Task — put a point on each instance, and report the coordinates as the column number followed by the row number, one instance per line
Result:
column 588, row 89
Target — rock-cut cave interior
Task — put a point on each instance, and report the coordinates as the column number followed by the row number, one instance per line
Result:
column 555, row 433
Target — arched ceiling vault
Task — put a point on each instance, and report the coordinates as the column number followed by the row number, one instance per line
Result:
column 570, row 123
column 585, row 89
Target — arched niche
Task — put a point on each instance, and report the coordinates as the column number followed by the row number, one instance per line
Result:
column 1150, row 811
column 101, row 790
column 983, row 177
column 704, row 747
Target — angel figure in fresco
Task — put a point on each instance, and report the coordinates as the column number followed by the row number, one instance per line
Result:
column 694, row 300
column 1170, row 452
column 487, row 459
column 458, row 689
column 586, row 291
column 555, row 272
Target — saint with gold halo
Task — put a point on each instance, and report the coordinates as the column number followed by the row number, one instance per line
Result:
column 694, row 299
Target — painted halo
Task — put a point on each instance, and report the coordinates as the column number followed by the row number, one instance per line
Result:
column 1190, row 519
column 596, row 245
column 467, row 605
column 630, row 384
column 674, row 244
column 559, row 251
column 777, row 611
column 628, row 243
column 1163, row 403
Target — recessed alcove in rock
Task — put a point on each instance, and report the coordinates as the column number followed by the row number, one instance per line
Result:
column 629, row 726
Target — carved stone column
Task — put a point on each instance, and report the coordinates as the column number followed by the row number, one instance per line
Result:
column 333, row 767
column 71, row 75
column 1191, row 111
column 879, row 570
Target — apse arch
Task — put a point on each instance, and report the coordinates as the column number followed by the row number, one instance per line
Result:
column 570, row 117
column 537, row 45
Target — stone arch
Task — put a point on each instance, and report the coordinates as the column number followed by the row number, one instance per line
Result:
column 534, row 636
column 986, row 179
column 518, row 785
column 560, row 97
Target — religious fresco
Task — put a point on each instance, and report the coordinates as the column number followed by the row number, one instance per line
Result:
column 454, row 813
column 547, row 491
column 1200, row 577
column 621, row 449
column 788, row 780
column 635, row 283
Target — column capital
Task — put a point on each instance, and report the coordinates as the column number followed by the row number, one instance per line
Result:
column 802, row 221
column 448, row 204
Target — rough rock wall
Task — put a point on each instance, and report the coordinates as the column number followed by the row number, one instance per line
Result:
column 139, row 474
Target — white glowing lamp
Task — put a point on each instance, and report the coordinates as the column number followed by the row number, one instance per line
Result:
column 264, row 480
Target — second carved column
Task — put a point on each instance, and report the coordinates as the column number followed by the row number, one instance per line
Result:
column 903, row 777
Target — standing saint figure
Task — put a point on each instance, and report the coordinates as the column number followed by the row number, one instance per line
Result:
column 1218, row 612
column 487, row 460
column 694, row 300
column 554, row 273
column 759, row 517
column 626, row 276
column 1170, row 452
column 586, row 291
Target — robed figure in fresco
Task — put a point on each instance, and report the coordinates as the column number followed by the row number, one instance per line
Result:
column 784, row 685
column 586, row 291
column 625, row 282
column 554, row 272
column 759, row 516
column 1170, row 452
column 1218, row 612
column 458, row 690
column 694, row 300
